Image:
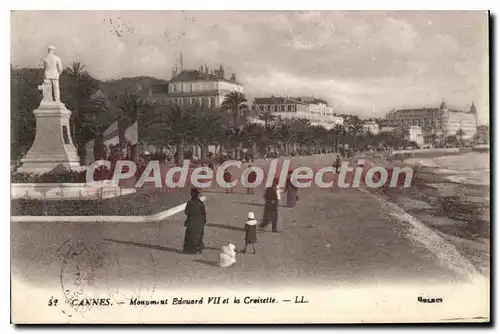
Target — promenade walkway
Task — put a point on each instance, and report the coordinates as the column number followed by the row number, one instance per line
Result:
column 339, row 236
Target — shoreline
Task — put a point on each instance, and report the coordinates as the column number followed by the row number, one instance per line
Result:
column 458, row 212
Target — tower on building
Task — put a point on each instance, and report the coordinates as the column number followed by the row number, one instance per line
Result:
column 443, row 105
column 473, row 108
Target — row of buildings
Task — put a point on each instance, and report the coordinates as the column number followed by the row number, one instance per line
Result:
column 208, row 87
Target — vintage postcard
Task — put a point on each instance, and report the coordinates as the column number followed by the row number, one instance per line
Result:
column 250, row 167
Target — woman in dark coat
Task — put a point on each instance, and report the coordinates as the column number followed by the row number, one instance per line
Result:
column 271, row 207
column 195, row 224
column 291, row 192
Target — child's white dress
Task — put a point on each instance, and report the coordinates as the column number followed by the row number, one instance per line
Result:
column 227, row 256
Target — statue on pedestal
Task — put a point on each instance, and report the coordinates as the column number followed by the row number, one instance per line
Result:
column 53, row 146
column 53, row 68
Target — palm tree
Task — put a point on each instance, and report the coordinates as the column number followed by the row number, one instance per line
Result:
column 234, row 102
column 178, row 125
column 155, row 126
column 460, row 133
column 338, row 132
column 24, row 99
column 431, row 138
column 283, row 134
column 301, row 129
column 78, row 87
column 205, row 128
column 267, row 116
column 253, row 136
column 131, row 107
column 355, row 127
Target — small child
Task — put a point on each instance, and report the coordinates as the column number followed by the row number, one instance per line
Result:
column 227, row 256
column 250, row 232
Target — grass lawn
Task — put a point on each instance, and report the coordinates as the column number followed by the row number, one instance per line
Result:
column 144, row 202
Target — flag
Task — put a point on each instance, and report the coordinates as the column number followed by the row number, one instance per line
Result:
column 131, row 134
column 111, row 135
column 89, row 152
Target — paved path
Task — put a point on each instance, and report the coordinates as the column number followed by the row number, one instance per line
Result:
column 332, row 237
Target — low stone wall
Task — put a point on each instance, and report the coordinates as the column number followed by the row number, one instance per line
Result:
column 429, row 150
column 67, row 191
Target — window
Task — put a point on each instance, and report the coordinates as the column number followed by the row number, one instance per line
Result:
column 282, row 108
column 182, row 88
column 191, row 87
column 289, row 108
column 191, row 101
column 174, row 88
column 261, row 108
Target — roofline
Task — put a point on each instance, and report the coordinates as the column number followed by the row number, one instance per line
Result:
column 203, row 79
column 292, row 100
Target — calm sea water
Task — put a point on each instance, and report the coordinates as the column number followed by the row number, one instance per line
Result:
column 468, row 169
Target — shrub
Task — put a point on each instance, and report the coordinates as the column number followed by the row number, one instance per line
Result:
column 66, row 176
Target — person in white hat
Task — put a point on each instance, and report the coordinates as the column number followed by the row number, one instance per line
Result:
column 250, row 232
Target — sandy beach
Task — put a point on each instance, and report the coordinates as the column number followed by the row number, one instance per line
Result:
column 457, row 209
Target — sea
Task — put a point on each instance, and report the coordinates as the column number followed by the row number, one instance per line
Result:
column 468, row 169
column 451, row 195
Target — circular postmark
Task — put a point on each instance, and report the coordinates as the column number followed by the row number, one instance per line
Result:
column 95, row 276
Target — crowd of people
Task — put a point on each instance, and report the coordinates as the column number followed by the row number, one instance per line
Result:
column 196, row 217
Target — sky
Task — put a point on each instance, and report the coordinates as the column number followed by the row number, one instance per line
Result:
column 361, row 62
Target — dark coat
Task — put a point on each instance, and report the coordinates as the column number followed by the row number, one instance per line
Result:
column 195, row 225
column 271, row 198
column 251, row 232
column 291, row 193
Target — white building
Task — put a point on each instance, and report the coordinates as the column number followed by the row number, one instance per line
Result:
column 414, row 133
column 371, row 127
column 387, row 129
column 317, row 111
column 205, row 87
column 441, row 121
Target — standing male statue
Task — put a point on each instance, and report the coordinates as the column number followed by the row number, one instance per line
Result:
column 52, row 69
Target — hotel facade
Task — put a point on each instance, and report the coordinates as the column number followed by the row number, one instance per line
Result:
column 442, row 122
column 202, row 86
column 317, row 111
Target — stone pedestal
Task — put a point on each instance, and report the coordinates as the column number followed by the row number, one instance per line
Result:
column 53, row 146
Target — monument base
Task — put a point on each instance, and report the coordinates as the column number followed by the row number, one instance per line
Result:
column 53, row 147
